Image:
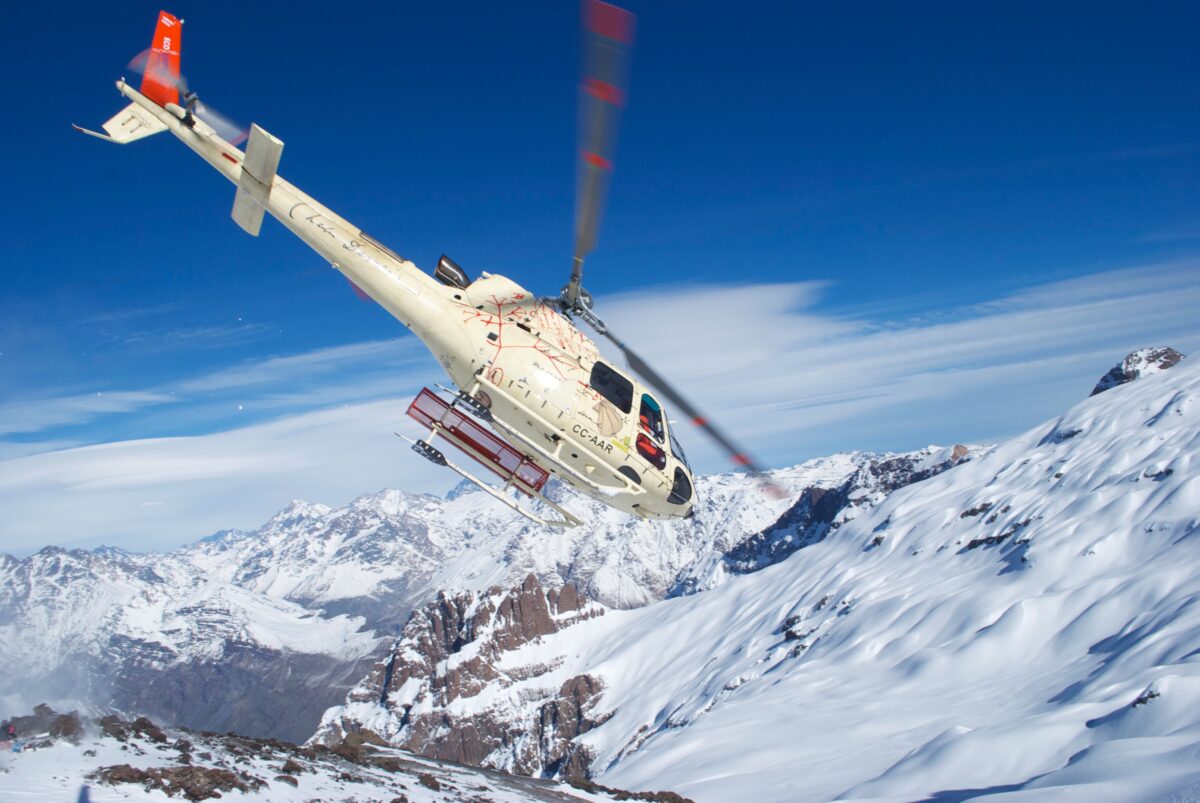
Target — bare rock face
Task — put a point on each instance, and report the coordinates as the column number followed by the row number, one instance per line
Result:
column 427, row 695
column 1140, row 363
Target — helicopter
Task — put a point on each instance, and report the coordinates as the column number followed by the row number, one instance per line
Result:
column 533, row 395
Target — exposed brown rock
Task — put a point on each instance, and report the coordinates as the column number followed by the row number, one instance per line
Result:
column 433, row 652
column 67, row 726
column 1139, row 363
column 562, row 719
column 191, row 782
column 568, row 600
column 148, row 729
column 522, row 616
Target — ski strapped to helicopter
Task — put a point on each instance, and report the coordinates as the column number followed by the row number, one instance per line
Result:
column 534, row 397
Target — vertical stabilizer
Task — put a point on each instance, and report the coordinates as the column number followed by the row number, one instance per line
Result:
column 254, row 184
column 160, row 82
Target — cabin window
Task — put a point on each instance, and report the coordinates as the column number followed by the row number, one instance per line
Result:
column 650, row 418
column 612, row 386
column 654, row 454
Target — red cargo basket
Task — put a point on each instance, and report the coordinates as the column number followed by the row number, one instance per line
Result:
column 476, row 442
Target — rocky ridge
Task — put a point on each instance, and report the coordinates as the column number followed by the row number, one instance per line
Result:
column 61, row 753
column 464, row 645
column 1142, row 362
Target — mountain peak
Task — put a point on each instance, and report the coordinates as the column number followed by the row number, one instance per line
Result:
column 298, row 509
column 1150, row 360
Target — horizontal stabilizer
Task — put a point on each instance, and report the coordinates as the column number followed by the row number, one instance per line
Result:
column 258, row 174
column 131, row 123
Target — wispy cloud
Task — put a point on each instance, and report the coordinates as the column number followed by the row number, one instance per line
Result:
column 136, row 313
column 41, row 414
column 287, row 371
column 292, row 383
column 154, row 494
column 191, row 337
column 787, row 379
column 795, row 383
column 1173, row 234
column 8, row 450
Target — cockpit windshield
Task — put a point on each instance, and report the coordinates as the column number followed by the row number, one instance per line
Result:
column 677, row 450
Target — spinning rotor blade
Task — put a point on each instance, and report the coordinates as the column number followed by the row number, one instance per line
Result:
column 608, row 43
column 228, row 130
column 738, row 455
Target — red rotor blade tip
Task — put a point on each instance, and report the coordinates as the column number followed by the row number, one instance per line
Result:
column 604, row 91
column 609, row 21
column 597, row 161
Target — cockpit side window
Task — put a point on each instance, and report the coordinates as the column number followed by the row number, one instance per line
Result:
column 650, row 418
column 612, row 386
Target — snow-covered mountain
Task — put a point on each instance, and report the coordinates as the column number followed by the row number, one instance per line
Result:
column 386, row 551
column 1024, row 622
column 261, row 631
column 156, row 634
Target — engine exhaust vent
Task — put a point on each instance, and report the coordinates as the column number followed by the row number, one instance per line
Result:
column 450, row 273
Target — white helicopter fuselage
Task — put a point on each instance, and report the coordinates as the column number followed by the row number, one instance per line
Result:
column 526, row 363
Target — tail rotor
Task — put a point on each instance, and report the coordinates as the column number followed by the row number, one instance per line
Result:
column 164, row 83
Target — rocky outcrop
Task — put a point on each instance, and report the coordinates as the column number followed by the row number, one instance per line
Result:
column 428, row 695
column 1138, row 364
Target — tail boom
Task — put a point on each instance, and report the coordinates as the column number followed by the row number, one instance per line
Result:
column 413, row 297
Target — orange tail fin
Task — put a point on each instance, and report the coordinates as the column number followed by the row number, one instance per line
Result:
column 161, row 80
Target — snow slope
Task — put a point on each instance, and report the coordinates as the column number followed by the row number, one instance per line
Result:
column 1026, row 624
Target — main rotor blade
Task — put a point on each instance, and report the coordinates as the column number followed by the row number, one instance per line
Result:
column 737, row 454
column 608, row 43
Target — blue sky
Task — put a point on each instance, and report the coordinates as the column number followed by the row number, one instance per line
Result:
column 833, row 182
